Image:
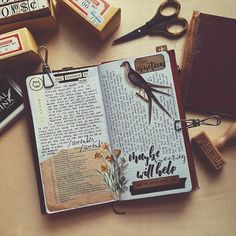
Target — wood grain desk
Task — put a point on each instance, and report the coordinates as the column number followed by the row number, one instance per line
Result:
column 209, row 211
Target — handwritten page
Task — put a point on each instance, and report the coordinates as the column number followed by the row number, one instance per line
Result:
column 154, row 152
column 70, row 125
column 107, row 133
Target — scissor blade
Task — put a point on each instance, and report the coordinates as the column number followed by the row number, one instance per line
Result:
column 139, row 32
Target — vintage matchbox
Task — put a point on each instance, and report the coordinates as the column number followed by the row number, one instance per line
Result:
column 17, row 48
column 11, row 102
column 99, row 16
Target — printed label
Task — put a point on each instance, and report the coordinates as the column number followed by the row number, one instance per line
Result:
column 10, row 44
column 15, row 8
column 36, row 84
column 157, row 184
column 93, row 10
column 71, row 76
column 149, row 64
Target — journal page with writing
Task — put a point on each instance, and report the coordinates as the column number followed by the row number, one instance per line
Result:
column 141, row 107
column 70, row 126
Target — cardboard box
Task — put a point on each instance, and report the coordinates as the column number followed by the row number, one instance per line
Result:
column 40, row 23
column 17, row 48
column 99, row 16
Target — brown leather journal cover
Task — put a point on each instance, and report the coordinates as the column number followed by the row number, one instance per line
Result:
column 209, row 65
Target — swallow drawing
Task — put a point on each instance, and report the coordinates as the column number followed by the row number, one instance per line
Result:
column 136, row 80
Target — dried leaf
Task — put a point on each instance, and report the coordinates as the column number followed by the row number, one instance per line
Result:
column 104, row 168
column 117, row 152
column 109, row 157
column 97, row 155
column 104, row 146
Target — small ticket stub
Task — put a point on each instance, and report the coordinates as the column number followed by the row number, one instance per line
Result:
column 93, row 10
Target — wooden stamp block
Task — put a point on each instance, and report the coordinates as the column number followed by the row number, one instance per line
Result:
column 207, row 150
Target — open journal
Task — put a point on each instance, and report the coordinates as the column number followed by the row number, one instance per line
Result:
column 106, row 133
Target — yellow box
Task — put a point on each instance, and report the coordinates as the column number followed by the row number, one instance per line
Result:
column 99, row 16
column 35, row 24
column 17, row 48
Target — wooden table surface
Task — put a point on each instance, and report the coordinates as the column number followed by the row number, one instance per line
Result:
column 211, row 210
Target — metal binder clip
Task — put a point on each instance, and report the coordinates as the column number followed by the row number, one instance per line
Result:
column 211, row 121
column 47, row 80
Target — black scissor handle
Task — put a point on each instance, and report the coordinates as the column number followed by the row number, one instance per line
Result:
column 164, row 27
column 179, row 21
column 159, row 17
column 161, row 24
column 169, row 3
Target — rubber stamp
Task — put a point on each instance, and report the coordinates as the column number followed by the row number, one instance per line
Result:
column 13, row 11
column 211, row 150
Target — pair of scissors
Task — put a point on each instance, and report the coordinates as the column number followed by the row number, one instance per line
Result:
column 160, row 24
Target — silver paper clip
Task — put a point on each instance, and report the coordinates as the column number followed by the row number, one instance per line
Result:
column 213, row 120
column 47, row 80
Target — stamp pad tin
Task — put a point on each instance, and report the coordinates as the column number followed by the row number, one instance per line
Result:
column 11, row 101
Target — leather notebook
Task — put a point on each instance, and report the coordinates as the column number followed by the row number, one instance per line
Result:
column 209, row 65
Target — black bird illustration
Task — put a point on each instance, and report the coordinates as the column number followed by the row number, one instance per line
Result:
column 148, row 88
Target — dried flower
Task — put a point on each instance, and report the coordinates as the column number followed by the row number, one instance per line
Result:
column 104, row 168
column 112, row 170
column 117, row 152
column 97, row 155
column 104, row 146
column 109, row 157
